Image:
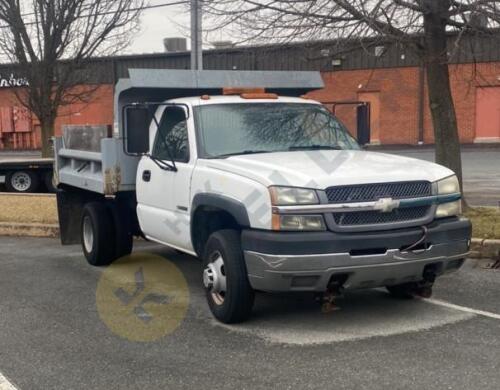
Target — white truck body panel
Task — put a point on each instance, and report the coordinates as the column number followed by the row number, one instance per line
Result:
column 320, row 169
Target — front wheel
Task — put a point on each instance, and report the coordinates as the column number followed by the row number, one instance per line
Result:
column 229, row 294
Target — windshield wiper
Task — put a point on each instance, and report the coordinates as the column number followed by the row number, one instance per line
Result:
column 315, row 147
column 242, row 153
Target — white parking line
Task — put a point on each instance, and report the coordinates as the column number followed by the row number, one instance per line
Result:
column 5, row 384
column 463, row 308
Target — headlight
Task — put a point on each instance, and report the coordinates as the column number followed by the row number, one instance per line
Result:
column 449, row 185
column 298, row 222
column 287, row 196
column 449, row 209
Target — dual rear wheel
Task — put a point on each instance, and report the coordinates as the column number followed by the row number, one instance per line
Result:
column 105, row 233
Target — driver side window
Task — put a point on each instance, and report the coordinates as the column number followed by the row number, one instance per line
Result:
column 171, row 141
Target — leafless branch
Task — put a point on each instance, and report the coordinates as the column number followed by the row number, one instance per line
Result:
column 50, row 42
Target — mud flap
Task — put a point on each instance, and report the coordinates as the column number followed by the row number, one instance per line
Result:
column 69, row 208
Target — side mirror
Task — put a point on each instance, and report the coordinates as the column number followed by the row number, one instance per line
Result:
column 363, row 122
column 136, row 130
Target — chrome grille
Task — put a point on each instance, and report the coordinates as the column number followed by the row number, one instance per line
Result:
column 374, row 192
column 376, row 217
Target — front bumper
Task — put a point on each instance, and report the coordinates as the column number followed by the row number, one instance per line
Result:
column 278, row 261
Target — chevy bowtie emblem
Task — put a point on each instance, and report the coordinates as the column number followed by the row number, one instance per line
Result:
column 386, row 205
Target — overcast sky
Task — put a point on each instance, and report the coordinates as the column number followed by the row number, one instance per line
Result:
column 159, row 23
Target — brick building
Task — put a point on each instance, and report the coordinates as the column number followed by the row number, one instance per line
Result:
column 388, row 76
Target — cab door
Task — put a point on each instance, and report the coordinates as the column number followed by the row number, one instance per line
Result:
column 163, row 192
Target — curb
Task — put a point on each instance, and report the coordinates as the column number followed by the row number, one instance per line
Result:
column 29, row 229
column 25, row 195
column 482, row 248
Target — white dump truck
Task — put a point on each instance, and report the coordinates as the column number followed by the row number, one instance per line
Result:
column 264, row 185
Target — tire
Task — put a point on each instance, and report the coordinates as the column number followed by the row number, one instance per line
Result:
column 124, row 240
column 410, row 290
column 97, row 234
column 48, row 181
column 235, row 304
column 22, row 181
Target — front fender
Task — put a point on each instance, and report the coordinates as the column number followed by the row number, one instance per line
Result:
column 232, row 206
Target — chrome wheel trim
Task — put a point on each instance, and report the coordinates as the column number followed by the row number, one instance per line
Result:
column 214, row 278
column 20, row 181
column 88, row 234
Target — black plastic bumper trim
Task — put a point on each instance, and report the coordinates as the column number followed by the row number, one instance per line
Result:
column 312, row 243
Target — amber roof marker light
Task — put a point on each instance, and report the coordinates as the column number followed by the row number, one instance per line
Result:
column 240, row 91
column 259, row 96
column 249, row 93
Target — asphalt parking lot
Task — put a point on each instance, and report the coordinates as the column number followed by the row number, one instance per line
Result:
column 52, row 335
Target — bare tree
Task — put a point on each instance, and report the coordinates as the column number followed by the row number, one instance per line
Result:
column 50, row 42
column 424, row 26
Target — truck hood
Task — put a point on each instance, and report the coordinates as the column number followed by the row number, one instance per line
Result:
column 320, row 169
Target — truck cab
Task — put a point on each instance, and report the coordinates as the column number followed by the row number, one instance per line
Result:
column 272, row 193
column 228, row 147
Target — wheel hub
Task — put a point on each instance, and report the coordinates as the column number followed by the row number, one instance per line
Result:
column 88, row 234
column 21, row 181
column 214, row 278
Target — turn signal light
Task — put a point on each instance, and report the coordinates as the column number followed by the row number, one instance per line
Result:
column 276, row 221
column 294, row 223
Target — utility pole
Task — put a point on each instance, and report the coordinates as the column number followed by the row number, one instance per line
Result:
column 196, row 47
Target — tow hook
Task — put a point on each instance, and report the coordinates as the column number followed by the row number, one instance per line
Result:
column 424, row 289
column 329, row 297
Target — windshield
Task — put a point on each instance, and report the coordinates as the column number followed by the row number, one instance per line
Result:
column 245, row 128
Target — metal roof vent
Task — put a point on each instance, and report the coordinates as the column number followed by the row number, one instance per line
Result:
column 223, row 44
column 477, row 20
column 175, row 44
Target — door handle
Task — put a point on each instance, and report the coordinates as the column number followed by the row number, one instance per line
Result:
column 146, row 175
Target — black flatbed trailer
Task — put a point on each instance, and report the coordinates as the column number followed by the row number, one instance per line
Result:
column 25, row 174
